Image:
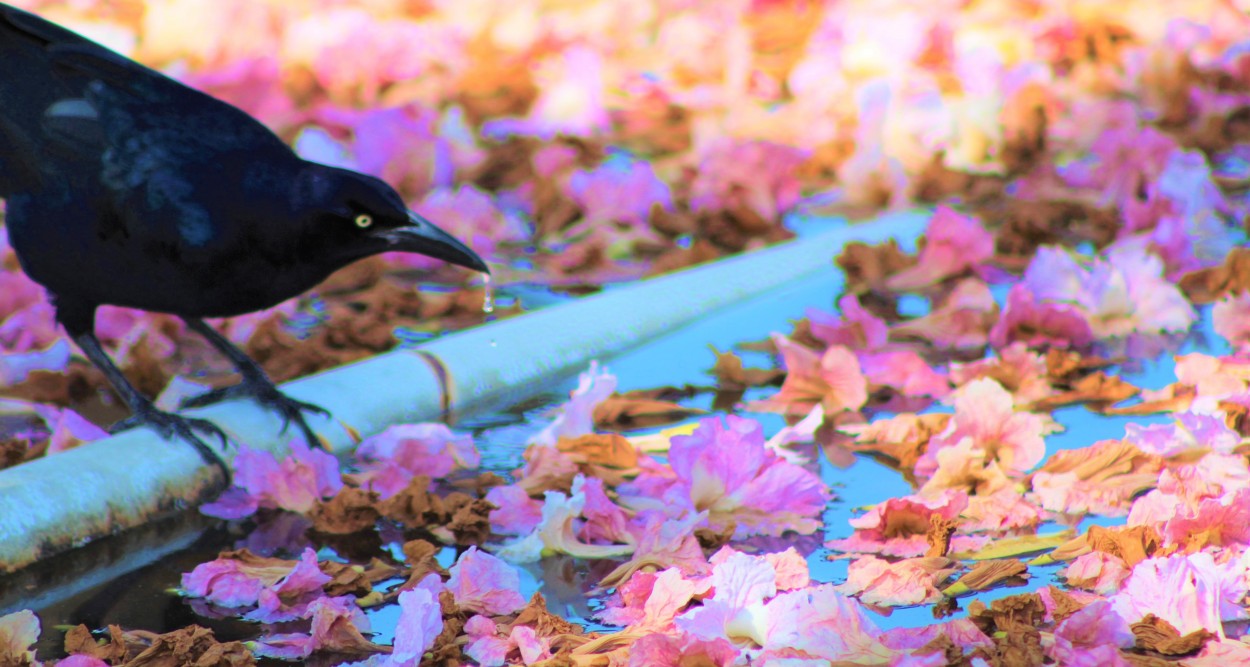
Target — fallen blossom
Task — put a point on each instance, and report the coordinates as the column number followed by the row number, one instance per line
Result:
column 1091, row 637
column 1029, row 320
column 403, row 451
column 953, row 244
column 1231, row 317
column 907, row 582
column 337, row 625
column 1097, row 571
column 515, row 513
column 985, row 414
column 296, row 484
column 725, row 469
column 556, row 533
column 855, row 328
column 660, row 650
column 576, row 416
column 420, row 622
column 1191, row 592
column 18, row 632
column 484, row 584
column 279, row 589
column 900, row 526
column 753, row 178
column 649, row 601
column 832, row 379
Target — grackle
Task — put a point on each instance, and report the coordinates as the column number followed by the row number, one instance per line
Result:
column 125, row 187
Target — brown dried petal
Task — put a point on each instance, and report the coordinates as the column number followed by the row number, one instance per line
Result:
column 1131, row 545
column 731, row 375
column 1208, row 285
column 986, row 574
column 607, row 449
column 1155, row 634
column 193, row 646
column 350, row 511
column 939, row 536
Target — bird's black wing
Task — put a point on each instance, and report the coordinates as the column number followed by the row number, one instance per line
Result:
column 73, row 109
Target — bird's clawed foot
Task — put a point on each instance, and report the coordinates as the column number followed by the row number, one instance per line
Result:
column 170, row 425
column 269, row 396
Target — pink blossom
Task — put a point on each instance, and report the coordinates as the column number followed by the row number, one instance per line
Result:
column 906, row 582
column 961, row 631
column 1231, row 316
column 898, row 526
column 483, row 584
column 823, row 623
column 1002, row 511
column 516, row 512
column 1026, row 368
column 1180, row 490
column 354, row 54
column 571, row 101
column 485, row 646
column 855, row 328
column 1121, row 161
column 67, row 429
column 962, row 320
column 665, row 542
column 296, row 484
column 620, row 190
column 649, row 601
column 904, row 371
column 605, row 520
column 833, row 379
column 328, row 615
column 557, row 532
column 81, row 660
column 18, row 631
column 17, row 291
column 1067, row 493
column 254, row 85
column 740, row 585
column 420, row 622
column 1097, row 571
column 398, row 145
column 1191, row 592
column 32, row 327
column 792, row 570
column 755, row 176
column 658, row 650
column 1221, row 522
column 954, row 244
column 1091, row 637
column 529, row 644
column 1191, row 431
column 985, row 413
column 430, row 449
column 576, row 417
column 1038, row 323
column 282, row 589
column 725, row 469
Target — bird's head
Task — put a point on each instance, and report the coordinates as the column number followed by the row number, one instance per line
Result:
column 354, row 216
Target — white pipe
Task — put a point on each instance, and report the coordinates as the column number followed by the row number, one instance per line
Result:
column 55, row 503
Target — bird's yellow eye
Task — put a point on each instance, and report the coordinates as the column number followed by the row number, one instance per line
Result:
column 364, row 220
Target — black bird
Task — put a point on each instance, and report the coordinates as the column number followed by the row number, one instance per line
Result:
column 126, row 187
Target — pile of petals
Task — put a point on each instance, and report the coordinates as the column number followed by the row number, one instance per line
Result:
column 1090, row 174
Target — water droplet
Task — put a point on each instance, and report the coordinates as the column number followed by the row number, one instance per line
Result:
column 488, row 296
column 493, row 343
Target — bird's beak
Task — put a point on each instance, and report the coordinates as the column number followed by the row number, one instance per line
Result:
column 421, row 236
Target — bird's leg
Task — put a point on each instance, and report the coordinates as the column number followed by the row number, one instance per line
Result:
column 256, row 384
column 145, row 413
